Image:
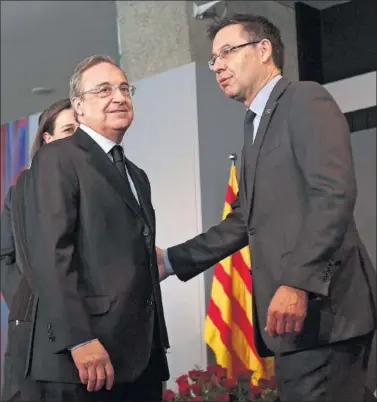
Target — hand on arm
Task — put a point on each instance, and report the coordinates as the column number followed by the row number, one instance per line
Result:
column 194, row 256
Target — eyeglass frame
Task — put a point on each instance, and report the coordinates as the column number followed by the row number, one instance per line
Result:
column 131, row 90
column 229, row 50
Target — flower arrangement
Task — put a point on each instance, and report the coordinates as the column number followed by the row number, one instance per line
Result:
column 213, row 385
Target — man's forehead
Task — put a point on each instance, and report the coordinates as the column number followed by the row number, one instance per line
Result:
column 229, row 35
column 103, row 72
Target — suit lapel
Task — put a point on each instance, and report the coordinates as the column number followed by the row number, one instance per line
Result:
column 252, row 150
column 97, row 158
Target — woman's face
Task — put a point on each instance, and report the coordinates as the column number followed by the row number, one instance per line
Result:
column 65, row 125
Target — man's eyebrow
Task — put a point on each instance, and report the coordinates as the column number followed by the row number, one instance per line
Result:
column 222, row 47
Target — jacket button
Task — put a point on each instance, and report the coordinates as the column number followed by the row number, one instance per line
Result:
column 49, row 326
column 146, row 231
column 149, row 302
column 252, row 232
column 51, row 338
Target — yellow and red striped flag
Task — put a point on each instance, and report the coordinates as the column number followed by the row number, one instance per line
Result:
column 229, row 327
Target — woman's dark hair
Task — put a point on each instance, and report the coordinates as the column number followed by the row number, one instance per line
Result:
column 46, row 122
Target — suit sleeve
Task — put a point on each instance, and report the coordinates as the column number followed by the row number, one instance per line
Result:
column 10, row 273
column 203, row 251
column 52, row 208
column 321, row 144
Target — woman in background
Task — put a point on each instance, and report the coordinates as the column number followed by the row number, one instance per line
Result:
column 54, row 123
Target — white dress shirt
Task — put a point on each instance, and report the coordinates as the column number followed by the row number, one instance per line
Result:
column 260, row 101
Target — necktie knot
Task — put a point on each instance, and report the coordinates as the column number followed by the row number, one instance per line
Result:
column 117, row 154
column 250, row 116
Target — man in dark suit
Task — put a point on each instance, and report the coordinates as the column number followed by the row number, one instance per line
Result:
column 312, row 277
column 90, row 243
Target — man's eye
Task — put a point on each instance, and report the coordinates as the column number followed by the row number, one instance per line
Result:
column 104, row 90
column 226, row 52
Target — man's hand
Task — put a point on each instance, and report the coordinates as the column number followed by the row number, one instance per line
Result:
column 287, row 311
column 161, row 264
column 94, row 365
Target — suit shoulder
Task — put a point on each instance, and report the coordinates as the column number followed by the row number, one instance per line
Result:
column 309, row 89
column 53, row 152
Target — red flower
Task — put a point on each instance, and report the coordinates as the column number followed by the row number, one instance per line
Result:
column 244, row 375
column 196, row 399
column 184, row 389
column 224, row 398
column 204, row 376
column 183, row 379
column 217, row 370
column 168, row 395
column 194, row 375
column 229, row 384
column 196, row 388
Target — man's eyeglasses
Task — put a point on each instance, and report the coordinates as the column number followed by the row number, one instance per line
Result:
column 106, row 90
column 226, row 51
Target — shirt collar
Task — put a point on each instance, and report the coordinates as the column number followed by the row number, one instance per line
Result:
column 259, row 102
column 106, row 144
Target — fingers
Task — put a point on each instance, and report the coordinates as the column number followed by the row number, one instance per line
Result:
column 298, row 325
column 109, row 375
column 101, row 377
column 280, row 324
column 271, row 323
column 83, row 373
column 92, row 378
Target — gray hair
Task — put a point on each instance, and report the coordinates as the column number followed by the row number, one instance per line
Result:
column 75, row 81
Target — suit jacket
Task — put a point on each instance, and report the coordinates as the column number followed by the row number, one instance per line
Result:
column 14, row 285
column 295, row 211
column 10, row 273
column 91, row 251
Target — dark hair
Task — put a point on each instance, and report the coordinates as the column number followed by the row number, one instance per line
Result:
column 258, row 28
column 46, row 122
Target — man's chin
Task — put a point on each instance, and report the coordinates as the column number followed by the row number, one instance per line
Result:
column 231, row 93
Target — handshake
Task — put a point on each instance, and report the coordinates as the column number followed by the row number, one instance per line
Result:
column 162, row 271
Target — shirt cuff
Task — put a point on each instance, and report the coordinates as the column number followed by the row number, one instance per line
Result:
column 169, row 268
column 81, row 344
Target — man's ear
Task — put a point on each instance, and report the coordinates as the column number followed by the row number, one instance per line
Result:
column 265, row 50
column 77, row 106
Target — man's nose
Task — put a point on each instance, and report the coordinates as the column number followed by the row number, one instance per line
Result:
column 219, row 65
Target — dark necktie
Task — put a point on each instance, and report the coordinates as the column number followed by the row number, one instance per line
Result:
column 249, row 126
column 119, row 162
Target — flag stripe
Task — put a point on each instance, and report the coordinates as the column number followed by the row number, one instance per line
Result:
column 235, row 336
column 238, row 313
column 225, row 334
column 242, row 269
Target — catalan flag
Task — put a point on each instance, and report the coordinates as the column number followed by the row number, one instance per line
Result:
column 229, row 327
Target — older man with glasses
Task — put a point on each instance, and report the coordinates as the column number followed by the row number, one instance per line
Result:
column 99, row 330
